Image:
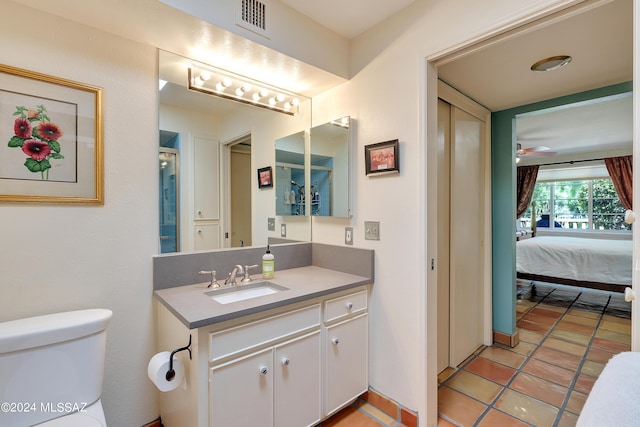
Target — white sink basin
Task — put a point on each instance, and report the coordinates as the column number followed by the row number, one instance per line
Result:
column 244, row 292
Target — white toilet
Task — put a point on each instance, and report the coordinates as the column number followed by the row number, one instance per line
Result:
column 51, row 369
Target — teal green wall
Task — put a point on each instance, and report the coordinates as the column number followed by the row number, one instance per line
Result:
column 503, row 187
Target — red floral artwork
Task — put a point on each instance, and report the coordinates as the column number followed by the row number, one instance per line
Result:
column 37, row 136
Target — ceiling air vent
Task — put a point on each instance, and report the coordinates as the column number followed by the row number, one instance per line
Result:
column 252, row 15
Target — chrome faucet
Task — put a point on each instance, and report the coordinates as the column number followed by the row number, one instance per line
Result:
column 231, row 279
column 213, row 283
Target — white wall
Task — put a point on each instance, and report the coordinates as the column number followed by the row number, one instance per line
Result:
column 57, row 257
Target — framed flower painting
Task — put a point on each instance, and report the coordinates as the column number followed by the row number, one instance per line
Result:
column 50, row 139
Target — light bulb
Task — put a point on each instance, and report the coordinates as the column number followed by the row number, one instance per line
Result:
column 264, row 92
column 226, row 82
column 280, row 97
column 198, row 82
column 272, row 101
column 220, row 87
column 239, row 91
column 295, row 102
column 205, row 75
column 256, row 97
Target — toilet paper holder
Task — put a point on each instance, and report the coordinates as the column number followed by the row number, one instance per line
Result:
column 171, row 373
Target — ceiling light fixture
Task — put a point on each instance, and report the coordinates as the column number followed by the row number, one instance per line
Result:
column 551, row 63
column 226, row 85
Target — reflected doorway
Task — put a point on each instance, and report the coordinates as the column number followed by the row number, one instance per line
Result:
column 240, row 229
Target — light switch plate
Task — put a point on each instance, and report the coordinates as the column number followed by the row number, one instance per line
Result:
column 271, row 224
column 283, row 230
column 372, row 230
column 348, row 235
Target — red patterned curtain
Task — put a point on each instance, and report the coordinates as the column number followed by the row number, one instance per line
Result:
column 526, row 181
column 621, row 173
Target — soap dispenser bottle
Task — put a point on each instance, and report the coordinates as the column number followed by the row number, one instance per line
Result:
column 268, row 264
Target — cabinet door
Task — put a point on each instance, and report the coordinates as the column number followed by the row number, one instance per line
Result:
column 346, row 346
column 206, row 236
column 206, row 179
column 241, row 392
column 297, row 382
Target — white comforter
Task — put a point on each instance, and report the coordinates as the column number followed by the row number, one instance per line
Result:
column 583, row 259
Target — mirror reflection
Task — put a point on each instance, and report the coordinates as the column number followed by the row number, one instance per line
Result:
column 329, row 168
column 290, row 176
column 218, row 203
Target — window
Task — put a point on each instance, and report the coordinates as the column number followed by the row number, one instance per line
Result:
column 577, row 204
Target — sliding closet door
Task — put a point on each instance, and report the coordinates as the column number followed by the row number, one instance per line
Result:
column 466, row 231
column 444, row 171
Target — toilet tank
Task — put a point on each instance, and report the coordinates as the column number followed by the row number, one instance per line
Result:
column 51, row 365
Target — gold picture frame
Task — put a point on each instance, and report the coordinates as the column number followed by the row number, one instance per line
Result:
column 51, row 139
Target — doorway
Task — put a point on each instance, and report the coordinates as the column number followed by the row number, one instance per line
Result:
column 168, row 192
column 237, row 158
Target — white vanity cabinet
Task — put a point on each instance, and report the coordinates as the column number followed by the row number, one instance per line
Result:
column 346, row 332
column 276, row 386
column 287, row 367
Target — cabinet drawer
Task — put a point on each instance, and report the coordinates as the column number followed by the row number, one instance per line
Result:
column 262, row 332
column 339, row 308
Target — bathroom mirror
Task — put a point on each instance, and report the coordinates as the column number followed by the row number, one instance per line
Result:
column 291, row 190
column 329, row 168
column 211, row 128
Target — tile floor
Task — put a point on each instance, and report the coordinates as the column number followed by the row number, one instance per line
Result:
column 567, row 334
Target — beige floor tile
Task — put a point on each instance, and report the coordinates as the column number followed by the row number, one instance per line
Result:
column 592, row 368
column 524, row 348
column 623, row 328
column 475, row 386
column 567, row 419
column 581, row 320
column 570, row 336
column 530, row 336
column 565, row 347
column 505, row 357
column 583, row 313
column 576, row 402
column 613, row 336
column 616, row 319
column 444, row 375
column 526, row 408
column 550, row 307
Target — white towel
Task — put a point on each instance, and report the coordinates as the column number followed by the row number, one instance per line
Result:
column 613, row 400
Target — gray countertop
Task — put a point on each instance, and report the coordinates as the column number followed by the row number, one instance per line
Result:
column 195, row 309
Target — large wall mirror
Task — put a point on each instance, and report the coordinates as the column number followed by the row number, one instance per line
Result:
column 329, row 168
column 222, row 143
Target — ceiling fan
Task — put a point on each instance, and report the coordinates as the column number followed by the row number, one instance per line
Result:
column 539, row 150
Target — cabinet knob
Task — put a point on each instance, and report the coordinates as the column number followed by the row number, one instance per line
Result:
column 285, row 361
column 335, row 341
column 199, row 212
column 349, row 305
column 264, row 370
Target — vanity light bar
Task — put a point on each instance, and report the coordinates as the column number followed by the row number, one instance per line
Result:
column 242, row 90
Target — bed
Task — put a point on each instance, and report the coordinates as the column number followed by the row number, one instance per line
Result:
column 592, row 263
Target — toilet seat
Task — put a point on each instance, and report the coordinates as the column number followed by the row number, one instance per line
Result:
column 74, row 420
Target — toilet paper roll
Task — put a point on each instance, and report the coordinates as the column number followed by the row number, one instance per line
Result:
column 157, row 371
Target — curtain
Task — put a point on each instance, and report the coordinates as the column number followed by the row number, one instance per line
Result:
column 526, row 181
column 621, row 172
